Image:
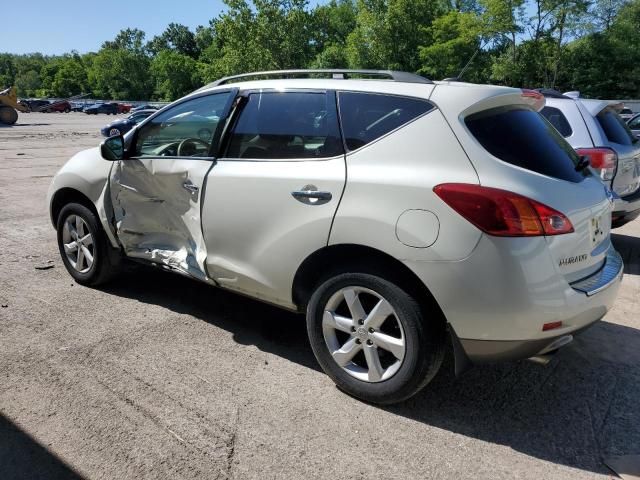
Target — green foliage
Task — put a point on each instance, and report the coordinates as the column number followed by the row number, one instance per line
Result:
column 174, row 75
column 587, row 45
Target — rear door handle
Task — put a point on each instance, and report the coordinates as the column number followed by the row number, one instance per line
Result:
column 309, row 195
column 188, row 185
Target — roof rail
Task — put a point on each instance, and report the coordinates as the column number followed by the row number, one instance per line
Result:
column 339, row 73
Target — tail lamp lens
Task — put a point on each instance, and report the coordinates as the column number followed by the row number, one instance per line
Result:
column 602, row 160
column 502, row 213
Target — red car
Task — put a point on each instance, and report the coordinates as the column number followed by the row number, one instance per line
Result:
column 58, row 107
column 124, row 107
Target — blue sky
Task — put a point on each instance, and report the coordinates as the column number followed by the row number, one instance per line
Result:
column 54, row 27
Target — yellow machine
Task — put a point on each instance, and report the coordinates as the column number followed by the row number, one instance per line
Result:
column 9, row 106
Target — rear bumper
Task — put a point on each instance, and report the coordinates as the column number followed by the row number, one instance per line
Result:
column 625, row 209
column 485, row 351
column 498, row 299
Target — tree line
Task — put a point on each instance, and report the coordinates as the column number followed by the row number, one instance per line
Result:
column 587, row 45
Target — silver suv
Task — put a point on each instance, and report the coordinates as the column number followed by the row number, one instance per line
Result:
column 396, row 212
column 595, row 129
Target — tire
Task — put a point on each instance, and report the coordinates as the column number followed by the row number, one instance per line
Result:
column 114, row 132
column 67, row 110
column 399, row 375
column 105, row 261
column 8, row 115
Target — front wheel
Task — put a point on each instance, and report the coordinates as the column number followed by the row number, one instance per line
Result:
column 84, row 246
column 372, row 339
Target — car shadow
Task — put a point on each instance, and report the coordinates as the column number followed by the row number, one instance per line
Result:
column 23, row 457
column 577, row 410
column 629, row 248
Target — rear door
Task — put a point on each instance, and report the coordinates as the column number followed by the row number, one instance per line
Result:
column 157, row 192
column 272, row 196
column 540, row 164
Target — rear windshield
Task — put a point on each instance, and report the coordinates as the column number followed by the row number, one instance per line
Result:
column 616, row 130
column 522, row 137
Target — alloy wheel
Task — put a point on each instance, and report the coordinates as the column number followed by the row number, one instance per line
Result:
column 78, row 243
column 363, row 334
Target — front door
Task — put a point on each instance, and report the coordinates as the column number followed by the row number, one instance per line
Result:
column 157, row 192
column 272, row 195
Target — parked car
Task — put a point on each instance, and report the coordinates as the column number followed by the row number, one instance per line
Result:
column 120, row 127
column 597, row 132
column 36, row 105
column 143, row 107
column 60, row 107
column 415, row 212
column 124, row 107
column 78, row 106
column 625, row 113
column 634, row 124
column 108, row 108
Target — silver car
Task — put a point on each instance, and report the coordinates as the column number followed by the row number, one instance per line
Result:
column 634, row 124
column 596, row 131
column 396, row 213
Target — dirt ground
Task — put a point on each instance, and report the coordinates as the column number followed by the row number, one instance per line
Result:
column 157, row 376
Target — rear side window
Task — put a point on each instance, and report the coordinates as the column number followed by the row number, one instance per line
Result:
column 616, row 130
column 283, row 125
column 523, row 137
column 366, row 117
column 558, row 120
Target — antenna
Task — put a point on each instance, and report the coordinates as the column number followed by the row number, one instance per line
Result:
column 458, row 77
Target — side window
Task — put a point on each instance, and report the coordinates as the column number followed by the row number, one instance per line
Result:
column 283, row 125
column 634, row 124
column 558, row 120
column 366, row 117
column 186, row 130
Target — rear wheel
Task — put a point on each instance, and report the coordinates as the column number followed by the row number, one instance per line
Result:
column 372, row 339
column 84, row 246
column 8, row 115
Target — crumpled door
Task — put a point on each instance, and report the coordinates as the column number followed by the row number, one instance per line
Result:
column 156, row 204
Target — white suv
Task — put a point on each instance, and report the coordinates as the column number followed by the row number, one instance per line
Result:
column 395, row 211
column 595, row 129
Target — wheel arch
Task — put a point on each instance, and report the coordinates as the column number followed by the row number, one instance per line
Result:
column 65, row 196
column 357, row 258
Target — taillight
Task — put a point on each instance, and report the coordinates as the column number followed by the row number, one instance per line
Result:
column 603, row 160
column 503, row 213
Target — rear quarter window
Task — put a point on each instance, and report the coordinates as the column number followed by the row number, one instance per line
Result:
column 615, row 129
column 366, row 117
column 524, row 138
column 558, row 120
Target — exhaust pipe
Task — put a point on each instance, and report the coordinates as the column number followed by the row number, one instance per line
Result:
column 545, row 355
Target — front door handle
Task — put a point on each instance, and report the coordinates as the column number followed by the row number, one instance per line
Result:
column 190, row 187
column 310, row 195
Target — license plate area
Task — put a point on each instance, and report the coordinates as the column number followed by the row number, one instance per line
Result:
column 598, row 229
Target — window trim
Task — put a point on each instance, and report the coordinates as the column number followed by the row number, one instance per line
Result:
column 237, row 111
column 221, row 127
column 344, row 138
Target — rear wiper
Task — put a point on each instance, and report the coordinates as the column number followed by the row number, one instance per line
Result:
column 582, row 163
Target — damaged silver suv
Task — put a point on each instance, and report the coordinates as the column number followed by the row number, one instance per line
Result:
column 396, row 212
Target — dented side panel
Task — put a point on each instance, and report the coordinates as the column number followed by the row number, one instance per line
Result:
column 156, row 204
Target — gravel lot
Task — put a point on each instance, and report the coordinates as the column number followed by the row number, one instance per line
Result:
column 157, row 376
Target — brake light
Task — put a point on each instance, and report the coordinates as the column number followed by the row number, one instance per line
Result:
column 603, row 160
column 503, row 213
column 533, row 98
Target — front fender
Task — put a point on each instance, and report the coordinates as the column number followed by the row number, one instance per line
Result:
column 87, row 173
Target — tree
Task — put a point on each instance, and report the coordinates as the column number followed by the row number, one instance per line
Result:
column 177, row 38
column 174, row 75
column 388, row 33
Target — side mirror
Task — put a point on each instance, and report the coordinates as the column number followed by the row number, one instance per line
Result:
column 112, row 148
